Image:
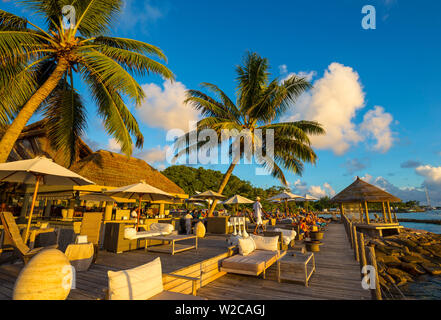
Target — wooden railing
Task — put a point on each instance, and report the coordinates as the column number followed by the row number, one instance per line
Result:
column 365, row 255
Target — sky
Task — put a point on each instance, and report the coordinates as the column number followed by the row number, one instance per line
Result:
column 377, row 92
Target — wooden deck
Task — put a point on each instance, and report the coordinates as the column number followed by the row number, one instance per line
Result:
column 90, row 284
column 337, row 277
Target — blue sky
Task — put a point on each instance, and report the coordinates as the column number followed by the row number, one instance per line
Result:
column 386, row 80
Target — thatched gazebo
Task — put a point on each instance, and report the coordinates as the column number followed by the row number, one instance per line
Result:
column 356, row 198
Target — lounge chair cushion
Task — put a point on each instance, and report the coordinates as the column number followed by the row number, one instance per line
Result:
column 163, row 228
column 131, row 234
column 141, row 283
column 254, row 263
column 288, row 235
column 266, row 243
column 246, row 246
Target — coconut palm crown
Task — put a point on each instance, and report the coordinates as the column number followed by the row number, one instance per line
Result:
column 260, row 104
column 37, row 67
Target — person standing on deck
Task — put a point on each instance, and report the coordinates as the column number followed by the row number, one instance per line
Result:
column 188, row 220
column 258, row 209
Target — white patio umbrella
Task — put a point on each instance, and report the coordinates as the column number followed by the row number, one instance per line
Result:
column 38, row 171
column 209, row 195
column 237, row 199
column 285, row 196
column 307, row 198
column 142, row 192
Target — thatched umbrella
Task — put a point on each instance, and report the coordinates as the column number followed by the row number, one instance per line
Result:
column 142, row 192
column 285, row 196
column 39, row 171
column 236, row 200
column 362, row 192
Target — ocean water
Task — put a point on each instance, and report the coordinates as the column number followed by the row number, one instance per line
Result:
column 428, row 215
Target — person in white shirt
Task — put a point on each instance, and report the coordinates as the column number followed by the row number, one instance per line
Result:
column 258, row 209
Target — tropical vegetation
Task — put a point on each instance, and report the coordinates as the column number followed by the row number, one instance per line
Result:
column 38, row 64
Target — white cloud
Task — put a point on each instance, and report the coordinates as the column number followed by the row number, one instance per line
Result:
column 139, row 14
column 377, row 124
column 334, row 102
column 164, row 108
column 302, row 188
column 154, row 155
column 113, row 145
column 283, row 69
column 431, row 174
column 411, row 193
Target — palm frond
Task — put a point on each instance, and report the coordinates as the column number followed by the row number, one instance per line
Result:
column 118, row 121
column 66, row 115
column 131, row 45
column 135, row 62
column 94, row 17
column 11, row 22
column 111, row 74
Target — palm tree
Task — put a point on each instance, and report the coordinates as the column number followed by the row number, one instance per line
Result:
column 37, row 69
column 260, row 103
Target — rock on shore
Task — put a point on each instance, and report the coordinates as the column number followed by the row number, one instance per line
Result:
column 404, row 257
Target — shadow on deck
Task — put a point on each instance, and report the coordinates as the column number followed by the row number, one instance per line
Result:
column 337, row 277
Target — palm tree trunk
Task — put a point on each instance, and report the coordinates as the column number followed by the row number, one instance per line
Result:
column 224, row 183
column 14, row 130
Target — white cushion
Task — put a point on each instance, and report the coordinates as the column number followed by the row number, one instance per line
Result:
column 163, row 228
column 130, row 233
column 246, row 246
column 288, row 235
column 140, row 283
column 266, row 243
column 81, row 240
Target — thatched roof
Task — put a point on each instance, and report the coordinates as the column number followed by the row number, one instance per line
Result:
column 114, row 170
column 361, row 191
column 33, row 142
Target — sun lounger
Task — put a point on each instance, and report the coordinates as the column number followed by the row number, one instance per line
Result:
column 256, row 262
column 13, row 233
column 146, row 283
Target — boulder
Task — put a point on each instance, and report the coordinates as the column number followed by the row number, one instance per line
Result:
column 412, row 268
column 414, row 258
column 400, row 276
column 431, row 268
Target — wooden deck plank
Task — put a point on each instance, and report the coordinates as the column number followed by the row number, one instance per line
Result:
column 337, row 277
column 90, row 284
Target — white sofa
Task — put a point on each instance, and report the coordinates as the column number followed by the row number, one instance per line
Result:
column 156, row 230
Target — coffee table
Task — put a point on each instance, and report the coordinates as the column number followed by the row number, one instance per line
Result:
column 296, row 267
column 172, row 247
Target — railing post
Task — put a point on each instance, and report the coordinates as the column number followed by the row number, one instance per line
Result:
column 356, row 252
column 376, row 293
column 363, row 261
